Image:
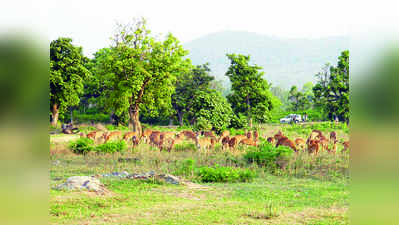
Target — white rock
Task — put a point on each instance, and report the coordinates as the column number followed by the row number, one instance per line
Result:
column 82, row 183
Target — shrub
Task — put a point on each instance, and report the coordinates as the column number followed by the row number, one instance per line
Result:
column 224, row 174
column 268, row 155
column 238, row 121
column 82, row 145
column 111, row 147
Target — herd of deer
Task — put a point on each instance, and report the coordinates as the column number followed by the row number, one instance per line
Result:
column 207, row 139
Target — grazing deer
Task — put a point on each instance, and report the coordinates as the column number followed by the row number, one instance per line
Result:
column 135, row 140
column 233, row 142
column 187, row 134
column 129, row 135
column 224, row 134
column 208, row 134
column 333, row 136
column 248, row 142
column 270, row 140
column 300, row 143
column 225, row 142
column 241, row 137
column 146, row 135
column 313, row 146
column 286, row 142
column 92, row 135
column 256, row 135
column 346, row 146
column 113, row 134
column 205, row 142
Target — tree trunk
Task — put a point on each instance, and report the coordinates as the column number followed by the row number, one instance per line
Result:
column 54, row 115
column 134, row 122
column 249, row 114
column 180, row 117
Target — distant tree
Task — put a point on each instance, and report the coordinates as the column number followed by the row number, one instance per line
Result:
column 188, row 87
column 332, row 89
column 140, row 71
column 250, row 92
column 210, row 107
column 300, row 100
column 67, row 73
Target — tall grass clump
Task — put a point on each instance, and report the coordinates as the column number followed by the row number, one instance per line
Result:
column 266, row 155
column 111, row 147
column 221, row 174
column 81, row 145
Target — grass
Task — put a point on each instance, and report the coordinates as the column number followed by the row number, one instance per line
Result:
column 310, row 190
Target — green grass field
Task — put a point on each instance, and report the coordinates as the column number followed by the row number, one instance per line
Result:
column 316, row 191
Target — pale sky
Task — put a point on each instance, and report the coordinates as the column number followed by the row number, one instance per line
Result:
column 91, row 23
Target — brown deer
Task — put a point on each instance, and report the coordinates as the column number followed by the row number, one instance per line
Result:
column 187, row 134
column 313, row 146
column 333, row 136
column 223, row 134
column 270, row 140
column 205, row 142
column 129, row 135
column 146, row 135
column 346, row 146
column 113, row 134
column 233, row 142
column 248, row 141
column 300, row 143
column 225, row 142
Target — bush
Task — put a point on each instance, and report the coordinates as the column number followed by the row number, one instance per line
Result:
column 267, row 155
column 111, row 147
column 238, row 121
column 224, row 174
column 82, row 145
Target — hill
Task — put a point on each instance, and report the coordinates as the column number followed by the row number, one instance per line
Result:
column 285, row 61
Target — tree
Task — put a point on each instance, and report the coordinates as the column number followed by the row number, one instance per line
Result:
column 212, row 108
column 188, row 87
column 250, row 92
column 332, row 89
column 300, row 100
column 140, row 71
column 67, row 72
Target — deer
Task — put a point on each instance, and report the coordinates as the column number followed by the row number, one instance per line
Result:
column 270, row 140
column 223, row 134
column 300, row 143
column 115, row 134
column 205, row 142
column 129, row 135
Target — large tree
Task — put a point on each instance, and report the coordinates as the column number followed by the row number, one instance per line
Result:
column 67, row 72
column 250, row 92
column 332, row 89
column 141, row 71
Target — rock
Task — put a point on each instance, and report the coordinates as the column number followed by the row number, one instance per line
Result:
column 143, row 176
column 169, row 179
column 82, row 183
column 123, row 174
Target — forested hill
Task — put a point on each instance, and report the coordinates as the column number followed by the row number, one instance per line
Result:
column 286, row 62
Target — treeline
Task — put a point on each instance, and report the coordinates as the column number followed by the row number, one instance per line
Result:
column 141, row 78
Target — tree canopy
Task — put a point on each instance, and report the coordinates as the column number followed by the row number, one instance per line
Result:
column 67, row 72
column 140, row 71
column 332, row 89
column 250, row 92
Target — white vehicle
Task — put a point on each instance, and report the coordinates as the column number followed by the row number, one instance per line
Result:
column 292, row 118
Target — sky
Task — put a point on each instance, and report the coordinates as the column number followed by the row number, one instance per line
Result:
column 91, row 23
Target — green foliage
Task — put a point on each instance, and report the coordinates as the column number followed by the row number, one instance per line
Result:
column 111, row 127
column 221, row 174
column 238, row 121
column 111, row 147
column 140, row 71
column 67, row 72
column 300, row 100
column 332, row 89
column 266, row 155
column 82, row 145
column 189, row 146
column 185, row 168
column 250, row 92
column 212, row 111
